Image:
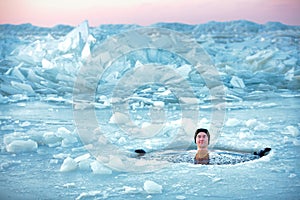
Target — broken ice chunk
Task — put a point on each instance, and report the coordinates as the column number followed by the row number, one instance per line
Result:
column 119, row 118
column 15, row 71
column 65, row 45
column 251, row 123
column 237, row 82
column 86, row 52
column 82, row 157
column 3, row 99
column 69, row 164
column 50, row 139
column 76, row 38
column 289, row 75
column 69, row 141
column 98, row 168
column 184, row 70
column 25, row 88
column 46, row 64
column 152, row 188
column 292, row 130
column 18, row 146
column 232, row 122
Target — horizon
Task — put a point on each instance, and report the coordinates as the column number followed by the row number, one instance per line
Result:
column 48, row 13
column 150, row 24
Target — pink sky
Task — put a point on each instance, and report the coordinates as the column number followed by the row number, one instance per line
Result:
column 146, row 12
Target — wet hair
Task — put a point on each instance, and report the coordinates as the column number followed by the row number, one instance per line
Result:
column 202, row 130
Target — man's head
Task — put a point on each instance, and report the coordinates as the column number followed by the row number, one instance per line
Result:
column 201, row 130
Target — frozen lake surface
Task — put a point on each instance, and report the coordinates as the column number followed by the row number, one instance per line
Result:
column 248, row 77
column 37, row 175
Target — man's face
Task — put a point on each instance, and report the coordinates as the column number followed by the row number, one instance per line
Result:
column 202, row 140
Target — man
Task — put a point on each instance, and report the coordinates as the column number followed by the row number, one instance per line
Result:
column 202, row 138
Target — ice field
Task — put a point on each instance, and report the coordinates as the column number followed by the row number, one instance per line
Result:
column 59, row 141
